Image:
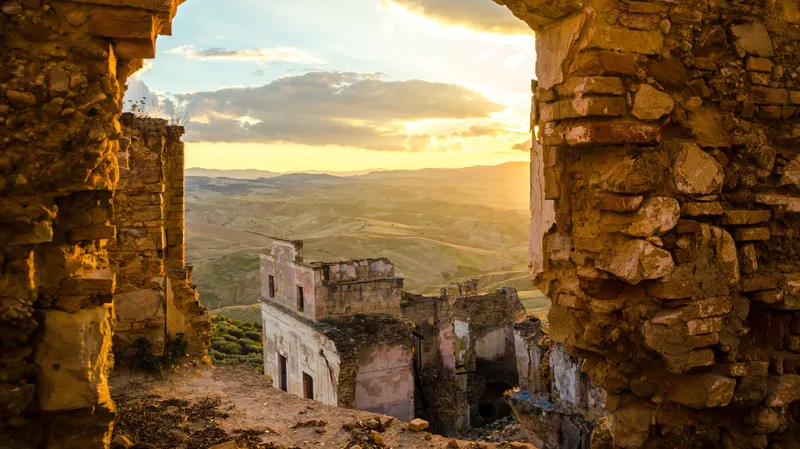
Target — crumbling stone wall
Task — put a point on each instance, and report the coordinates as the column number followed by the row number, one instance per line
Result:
column 466, row 345
column 64, row 63
column 556, row 404
column 154, row 298
column 668, row 133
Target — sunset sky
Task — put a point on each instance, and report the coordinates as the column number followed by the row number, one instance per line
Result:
column 344, row 85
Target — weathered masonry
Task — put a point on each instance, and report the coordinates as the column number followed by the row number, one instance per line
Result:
column 64, row 67
column 154, row 297
column 667, row 141
column 556, row 404
column 465, row 357
column 333, row 332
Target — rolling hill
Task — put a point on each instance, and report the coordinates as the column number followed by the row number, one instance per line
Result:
column 436, row 225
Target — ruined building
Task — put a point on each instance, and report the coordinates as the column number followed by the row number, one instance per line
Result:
column 556, row 404
column 333, row 331
column 667, row 143
column 464, row 354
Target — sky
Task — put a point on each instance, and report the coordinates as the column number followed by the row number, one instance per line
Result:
column 344, row 85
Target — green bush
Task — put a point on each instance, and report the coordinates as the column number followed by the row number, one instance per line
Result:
column 227, row 347
column 253, row 336
column 144, row 359
column 230, row 338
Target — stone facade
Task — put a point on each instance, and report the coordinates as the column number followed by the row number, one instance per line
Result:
column 668, row 133
column 154, row 298
column 333, row 331
column 464, row 354
column 65, row 63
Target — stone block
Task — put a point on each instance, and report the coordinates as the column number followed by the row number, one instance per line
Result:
column 418, row 425
column 752, row 39
column 758, row 283
column 697, row 172
column 704, row 326
column 608, row 133
column 767, row 296
column 769, row 95
column 590, row 85
column 122, row 23
column 73, row 358
column 618, row 203
column 635, row 261
column 657, row 215
column 701, row 357
column 651, row 104
column 783, row 390
column 745, row 217
column 701, row 391
column 790, row 203
column 751, row 234
column 709, row 307
column 604, row 62
column 698, row 209
column 630, row 424
column 622, row 39
column 730, row 369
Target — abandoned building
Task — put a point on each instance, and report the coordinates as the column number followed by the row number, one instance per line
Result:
column 341, row 333
column 333, row 331
column 464, row 354
column 665, row 192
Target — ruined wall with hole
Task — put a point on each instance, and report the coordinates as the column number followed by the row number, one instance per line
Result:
column 669, row 134
column 64, row 64
column 464, row 347
column 155, row 298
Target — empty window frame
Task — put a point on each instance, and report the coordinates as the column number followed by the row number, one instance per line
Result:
column 271, row 286
column 301, row 302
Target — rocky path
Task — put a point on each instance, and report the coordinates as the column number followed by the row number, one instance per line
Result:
column 197, row 407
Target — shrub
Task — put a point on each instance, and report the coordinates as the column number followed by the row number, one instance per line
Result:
column 144, row 359
column 253, row 336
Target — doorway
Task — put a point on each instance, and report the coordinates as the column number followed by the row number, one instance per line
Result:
column 283, row 373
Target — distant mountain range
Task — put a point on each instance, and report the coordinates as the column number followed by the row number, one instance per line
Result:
column 256, row 174
column 481, row 171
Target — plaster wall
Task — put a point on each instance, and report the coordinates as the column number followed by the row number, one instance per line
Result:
column 385, row 381
column 306, row 351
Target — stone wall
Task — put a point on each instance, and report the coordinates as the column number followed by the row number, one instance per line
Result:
column 154, row 298
column 669, row 135
column 465, row 347
column 556, row 405
column 64, row 64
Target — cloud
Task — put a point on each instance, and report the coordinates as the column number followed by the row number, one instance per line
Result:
column 264, row 56
column 523, row 146
column 482, row 15
column 489, row 130
column 340, row 108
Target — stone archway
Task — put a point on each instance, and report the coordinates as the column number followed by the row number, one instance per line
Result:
column 668, row 136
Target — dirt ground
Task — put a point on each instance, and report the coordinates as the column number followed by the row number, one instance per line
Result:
column 196, row 407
